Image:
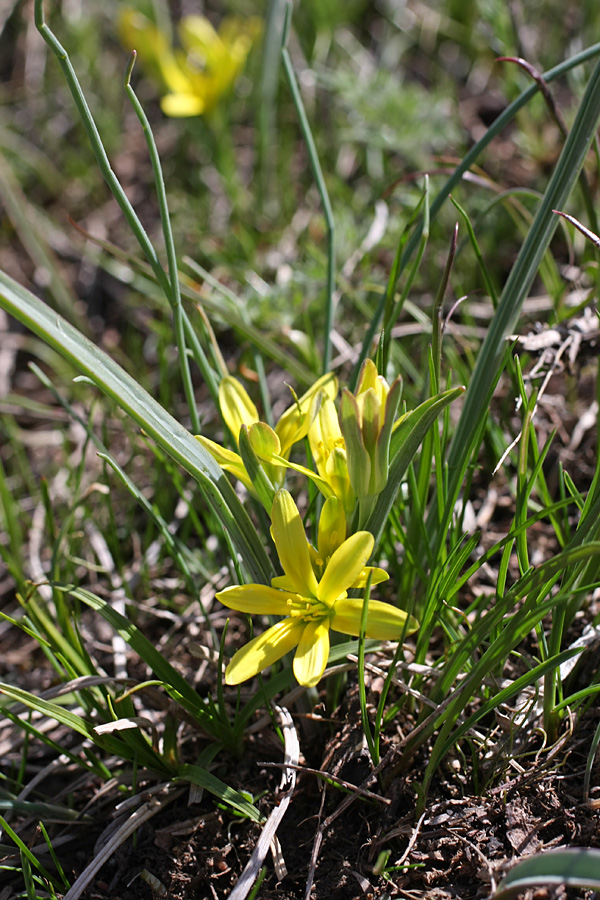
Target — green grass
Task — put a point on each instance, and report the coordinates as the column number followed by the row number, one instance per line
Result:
column 118, row 532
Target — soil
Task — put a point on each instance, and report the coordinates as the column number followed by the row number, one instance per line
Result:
column 459, row 847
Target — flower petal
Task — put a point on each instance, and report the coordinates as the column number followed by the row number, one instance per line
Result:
column 135, row 30
column 384, row 621
column 257, row 599
column 367, row 377
column 292, row 546
column 264, row 650
column 378, row 576
column 297, row 419
column 283, row 583
column 345, row 566
column 204, row 48
column 236, row 406
column 264, row 441
column 227, row 459
column 358, row 460
column 182, row 106
column 324, row 434
column 332, row 527
column 312, row 653
column 338, row 476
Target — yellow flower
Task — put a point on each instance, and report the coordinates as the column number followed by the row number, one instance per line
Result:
column 272, row 446
column 197, row 76
column 310, row 605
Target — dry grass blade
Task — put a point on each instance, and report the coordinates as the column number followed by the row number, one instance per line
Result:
column 153, row 805
column 268, row 835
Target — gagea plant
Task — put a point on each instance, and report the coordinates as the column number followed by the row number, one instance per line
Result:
column 230, row 563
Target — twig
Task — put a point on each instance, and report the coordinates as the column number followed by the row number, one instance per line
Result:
column 328, row 776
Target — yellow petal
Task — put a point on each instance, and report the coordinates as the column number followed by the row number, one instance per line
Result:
column 264, row 650
column 258, row 599
column 264, row 441
column 325, row 434
column 236, row 406
column 338, row 476
column 175, row 77
column 154, row 51
column 221, row 454
column 181, row 106
column 367, row 377
column 283, row 583
column 371, row 417
column 295, row 422
column 227, row 459
column 345, row 566
column 201, row 40
column 384, row 621
column 332, row 527
column 235, row 30
column 378, row 576
column 312, row 653
column 292, row 547
column 323, row 485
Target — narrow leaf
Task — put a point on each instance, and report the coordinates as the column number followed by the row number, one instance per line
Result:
column 405, row 443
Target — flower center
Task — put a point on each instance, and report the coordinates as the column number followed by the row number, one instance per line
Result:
column 307, row 608
column 325, row 448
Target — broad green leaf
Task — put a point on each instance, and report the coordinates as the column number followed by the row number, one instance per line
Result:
column 159, row 424
column 577, row 867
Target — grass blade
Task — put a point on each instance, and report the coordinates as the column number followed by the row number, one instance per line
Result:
column 521, row 276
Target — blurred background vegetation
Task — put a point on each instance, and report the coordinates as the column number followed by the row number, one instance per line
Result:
column 392, row 90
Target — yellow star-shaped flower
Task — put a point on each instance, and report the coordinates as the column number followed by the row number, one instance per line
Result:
column 310, row 605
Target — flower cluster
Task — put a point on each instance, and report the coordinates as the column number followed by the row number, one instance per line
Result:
column 350, row 452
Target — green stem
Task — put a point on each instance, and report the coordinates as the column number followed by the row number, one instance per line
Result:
column 372, row 743
column 320, row 182
column 174, row 294
column 98, row 147
column 115, row 187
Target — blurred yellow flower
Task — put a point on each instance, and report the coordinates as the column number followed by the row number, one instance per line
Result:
column 196, row 76
column 311, row 605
